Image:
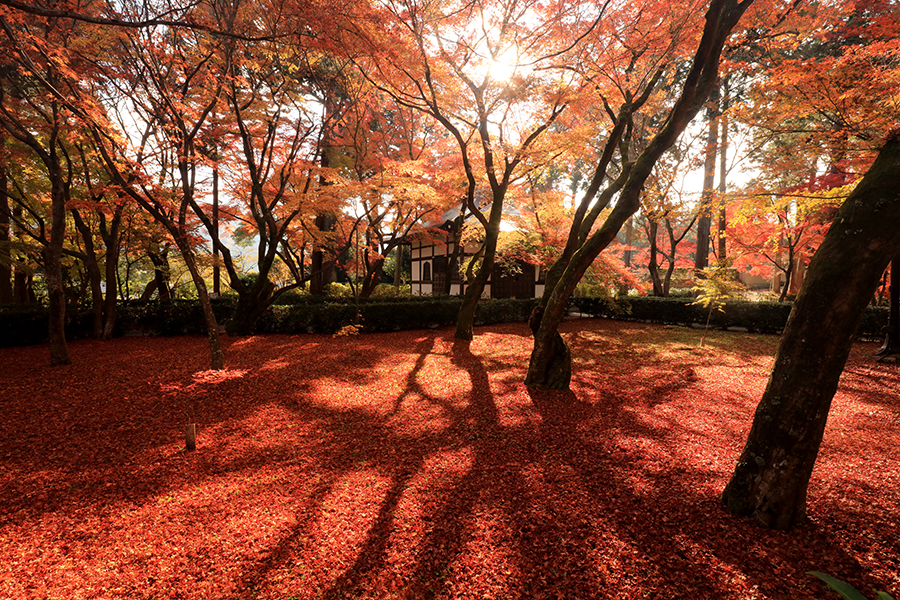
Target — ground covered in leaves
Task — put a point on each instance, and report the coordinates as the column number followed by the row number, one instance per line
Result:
column 408, row 465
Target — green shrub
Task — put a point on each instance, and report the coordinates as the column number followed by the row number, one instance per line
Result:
column 681, row 293
column 504, row 311
column 603, row 306
column 324, row 317
column 760, row 317
column 386, row 290
column 845, row 590
column 396, row 316
column 338, row 289
column 388, row 315
column 23, row 325
column 173, row 317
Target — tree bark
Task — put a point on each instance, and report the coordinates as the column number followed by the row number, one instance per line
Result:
column 59, row 349
column 112, row 240
column 6, row 286
column 772, row 475
column 95, row 277
column 465, row 319
column 398, row 267
column 704, row 221
column 160, row 262
column 453, row 262
column 217, row 355
column 722, row 250
column 372, row 278
column 892, row 331
column 653, row 264
column 322, row 266
column 250, row 307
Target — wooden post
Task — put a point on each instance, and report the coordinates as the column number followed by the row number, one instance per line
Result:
column 190, row 436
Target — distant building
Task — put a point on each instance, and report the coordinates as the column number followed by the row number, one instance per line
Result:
column 430, row 266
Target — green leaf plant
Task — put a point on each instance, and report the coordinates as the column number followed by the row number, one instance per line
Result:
column 846, row 591
column 717, row 285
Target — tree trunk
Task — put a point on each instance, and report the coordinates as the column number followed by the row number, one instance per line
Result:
column 892, row 331
column 722, row 250
column 550, row 366
column 59, row 349
column 112, row 292
column 160, row 262
column 554, row 372
column 771, row 478
column 653, row 264
column 322, row 266
column 147, row 294
column 797, row 273
column 250, row 307
column 788, row 273
column 465, row 320
column 372, row 278
column 94, row 275
column 113, row 248
column 453, row 263
column 701, row 257
column 6, row 286
column 23, row 293
column 398, row 267
column 216, row 354
column 217, row 275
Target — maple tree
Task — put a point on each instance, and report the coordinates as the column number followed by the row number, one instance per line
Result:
column 174, row 101
column 37, row 78
column 23, row 190
column 668, row 217
column 391, row 159
column 821, row 97
column 852, row 51
column 771, row 478
column 550, row 365
column 780, row 230
column 273, row 169
column 485, row 72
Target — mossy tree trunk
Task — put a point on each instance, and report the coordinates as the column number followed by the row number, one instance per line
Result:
column 772, row 475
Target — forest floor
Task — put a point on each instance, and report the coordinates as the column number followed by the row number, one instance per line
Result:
column 408, row 465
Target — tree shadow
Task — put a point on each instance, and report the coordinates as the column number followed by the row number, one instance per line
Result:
column 579, row 495
column 69, row 430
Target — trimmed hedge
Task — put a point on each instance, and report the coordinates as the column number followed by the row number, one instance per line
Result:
column 24, row 325
column 21, row 326
column 759, row 317
column 328, row 317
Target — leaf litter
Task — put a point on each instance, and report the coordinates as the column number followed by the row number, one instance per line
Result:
column 410, row 465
